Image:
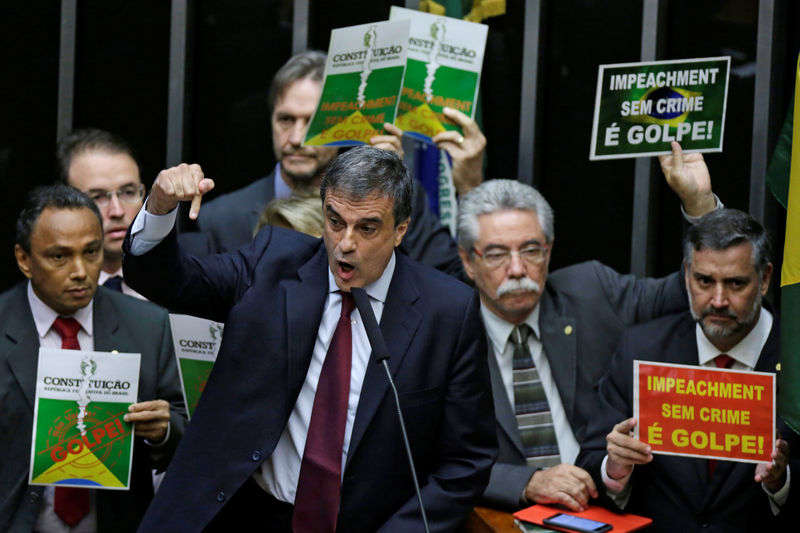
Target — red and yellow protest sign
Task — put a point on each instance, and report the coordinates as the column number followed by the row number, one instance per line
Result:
column 704, row 412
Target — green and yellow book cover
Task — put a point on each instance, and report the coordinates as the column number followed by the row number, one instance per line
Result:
column 196, row 342
column 445, row 59
column 362, row 82
column 79, row 436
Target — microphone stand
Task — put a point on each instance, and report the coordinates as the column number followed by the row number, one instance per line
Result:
column 381, row 354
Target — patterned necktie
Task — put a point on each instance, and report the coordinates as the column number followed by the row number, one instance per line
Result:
column 70, row 504
column 114, row 283
column 534, row 420
column 723, row 360
column 316, row 503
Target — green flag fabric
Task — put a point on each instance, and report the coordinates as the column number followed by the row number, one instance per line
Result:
column 789, row 384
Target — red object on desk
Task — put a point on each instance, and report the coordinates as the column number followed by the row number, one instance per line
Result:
column 622, row 522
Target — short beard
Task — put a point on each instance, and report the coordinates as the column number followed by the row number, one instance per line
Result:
column 305, row 179
column 516, row 285
column 716, row 332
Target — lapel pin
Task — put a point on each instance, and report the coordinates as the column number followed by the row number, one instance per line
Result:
column 778, row 367
column 568, row 330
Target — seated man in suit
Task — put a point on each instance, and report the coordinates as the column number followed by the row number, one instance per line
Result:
column 103, row 166
column 228, row 221
column 60, row 250
column 727, row 272
column 296, row 426
column 551, row 337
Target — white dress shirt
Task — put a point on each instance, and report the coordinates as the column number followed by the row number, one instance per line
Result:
column 499, row 332
column 43, row 318
column 125, row 289
column 279, row 472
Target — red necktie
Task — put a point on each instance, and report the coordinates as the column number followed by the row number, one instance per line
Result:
column 723, row 360
column 70, row 504
column 316, row 503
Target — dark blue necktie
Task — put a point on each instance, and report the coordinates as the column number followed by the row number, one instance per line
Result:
column 114, row 283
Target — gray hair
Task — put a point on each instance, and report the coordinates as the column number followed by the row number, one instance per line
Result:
column 310, row 64
column 500, row 195
column 364, row 171
column 724, row 228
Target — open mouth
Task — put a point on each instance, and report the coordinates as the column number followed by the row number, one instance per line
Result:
column 346, row 269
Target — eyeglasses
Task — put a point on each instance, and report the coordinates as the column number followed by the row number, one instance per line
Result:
column 532, row 254
column 129, row 194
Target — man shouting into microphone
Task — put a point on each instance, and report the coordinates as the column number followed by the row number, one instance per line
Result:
column 296, row 426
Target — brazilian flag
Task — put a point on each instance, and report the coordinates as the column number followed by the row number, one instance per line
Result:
column 789, row 390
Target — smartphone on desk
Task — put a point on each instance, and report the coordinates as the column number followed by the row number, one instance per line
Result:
column 576, row 523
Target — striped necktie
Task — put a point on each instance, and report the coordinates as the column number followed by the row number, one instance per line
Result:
column 534, row 420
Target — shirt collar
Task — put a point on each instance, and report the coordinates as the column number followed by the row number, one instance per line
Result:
column 499, row 330
column 44, row 315
column 282, row 189
column 747, row 351
column 378, row 289
column 104, row 276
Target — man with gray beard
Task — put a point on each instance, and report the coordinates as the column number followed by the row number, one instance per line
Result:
column 552, row 337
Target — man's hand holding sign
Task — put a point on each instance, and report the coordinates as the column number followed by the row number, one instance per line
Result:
column 689, row 399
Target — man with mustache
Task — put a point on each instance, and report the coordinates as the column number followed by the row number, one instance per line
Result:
column 59, row 248
column 727, row 273
column 229, row 220
column 551, row 337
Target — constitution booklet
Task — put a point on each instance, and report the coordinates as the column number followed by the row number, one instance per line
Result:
column 445, row 59
column 196, row 342
column 363, row 75
column 79, row 436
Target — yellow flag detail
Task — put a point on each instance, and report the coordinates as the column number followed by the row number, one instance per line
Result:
column 484, row 9
column 429, row 6
column 790, row 272
column 421, row 119
column 672, row 122
column 355, row 127
column 82, row 465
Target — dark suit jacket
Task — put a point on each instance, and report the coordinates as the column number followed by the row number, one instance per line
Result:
column 226, row 223
column 270, row 294
column 583, row 311
column 121, row 323
column 676, row 491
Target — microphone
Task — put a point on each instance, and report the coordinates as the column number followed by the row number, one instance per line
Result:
column 381, row 354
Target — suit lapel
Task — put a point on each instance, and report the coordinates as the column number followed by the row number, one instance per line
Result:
column 506, row 418
column 684, row 352
column 105, row 323
column 23, row 341
column 721, row 483
column 559, row 340
column 399, row 322
column 304, row 307
column 260, row 199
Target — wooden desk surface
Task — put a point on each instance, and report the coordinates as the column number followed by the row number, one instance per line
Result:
column 485, row 520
